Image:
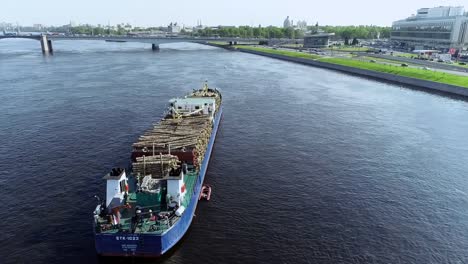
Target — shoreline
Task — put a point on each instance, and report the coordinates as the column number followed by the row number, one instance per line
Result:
column 421, row 84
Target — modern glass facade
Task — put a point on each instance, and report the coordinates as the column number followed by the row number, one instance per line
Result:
column 441, row 27
column 424, row 35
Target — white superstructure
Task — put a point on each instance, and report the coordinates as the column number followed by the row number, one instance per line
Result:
column 176, row 189
column 116, row 187
column 194, row 105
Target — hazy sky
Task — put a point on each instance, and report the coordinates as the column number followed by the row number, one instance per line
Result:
column 211, row 12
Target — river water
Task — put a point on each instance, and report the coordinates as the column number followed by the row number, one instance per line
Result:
column 310, row 165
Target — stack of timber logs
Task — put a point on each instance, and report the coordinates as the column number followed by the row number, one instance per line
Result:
column 172, row 136
column 157, row 166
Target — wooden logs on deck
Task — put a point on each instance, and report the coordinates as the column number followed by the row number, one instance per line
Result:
column 180, row 134
column 157, row 166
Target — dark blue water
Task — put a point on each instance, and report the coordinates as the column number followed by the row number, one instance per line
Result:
column 310, row 165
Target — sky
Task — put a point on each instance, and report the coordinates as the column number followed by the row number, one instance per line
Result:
column 212, row 12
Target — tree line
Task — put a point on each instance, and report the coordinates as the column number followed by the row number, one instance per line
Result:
column 359, row 32
column 99, row 30
column 250, row 32
column 341, row 32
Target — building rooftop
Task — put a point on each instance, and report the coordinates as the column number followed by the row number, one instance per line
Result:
column 441, row 12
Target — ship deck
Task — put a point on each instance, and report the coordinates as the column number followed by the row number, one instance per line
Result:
column 155, row 202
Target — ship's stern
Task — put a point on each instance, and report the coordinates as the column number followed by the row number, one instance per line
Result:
column 127, row 245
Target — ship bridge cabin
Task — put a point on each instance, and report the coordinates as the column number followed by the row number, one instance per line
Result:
column 192, row 106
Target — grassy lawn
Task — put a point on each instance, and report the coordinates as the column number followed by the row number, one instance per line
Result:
column 348, row 48
column 282, row 52
column 368, row 59
column 418, row 73
column 218, row 42
column 405, row 55
column 434, row 76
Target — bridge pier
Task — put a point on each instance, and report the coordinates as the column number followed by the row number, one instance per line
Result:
column 46, row 45
column 51, row 49
column 155, row 47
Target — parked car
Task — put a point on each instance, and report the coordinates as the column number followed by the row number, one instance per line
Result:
column 404, row 65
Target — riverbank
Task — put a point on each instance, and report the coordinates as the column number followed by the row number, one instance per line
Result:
column 439, row 81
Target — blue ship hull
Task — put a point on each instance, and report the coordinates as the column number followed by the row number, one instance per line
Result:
column 151, row 245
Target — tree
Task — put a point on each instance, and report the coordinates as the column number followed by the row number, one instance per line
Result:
column 360, row 32
column 288, row 32
column 257, row 32
column 299, row 33
column 346, row 41
column 355, row 41
column 120, row 30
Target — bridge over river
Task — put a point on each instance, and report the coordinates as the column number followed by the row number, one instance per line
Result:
column 47, row 47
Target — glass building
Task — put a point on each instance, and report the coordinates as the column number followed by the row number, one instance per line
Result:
column 442, row 27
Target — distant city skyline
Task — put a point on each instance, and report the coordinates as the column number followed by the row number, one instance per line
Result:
column 210, row 12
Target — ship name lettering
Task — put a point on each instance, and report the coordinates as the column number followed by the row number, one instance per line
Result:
column 127, row 238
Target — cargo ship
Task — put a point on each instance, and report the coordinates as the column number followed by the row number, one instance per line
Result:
column 148, row 208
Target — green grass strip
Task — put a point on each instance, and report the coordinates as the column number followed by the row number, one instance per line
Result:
column 422, row 74
column 347, row 48
column 405, row 55
column 218, row 43
column 428, row 75
column 295, row 54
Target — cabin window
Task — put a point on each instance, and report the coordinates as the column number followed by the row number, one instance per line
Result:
column 197, row 107
column 179, row 107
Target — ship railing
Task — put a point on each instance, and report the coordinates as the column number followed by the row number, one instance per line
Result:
column 147, row 225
